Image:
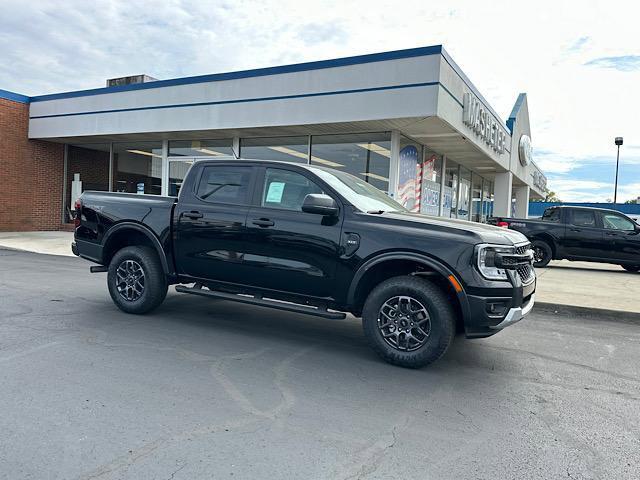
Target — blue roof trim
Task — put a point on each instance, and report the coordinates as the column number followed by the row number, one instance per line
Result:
column 514, row 112
column 16, row 97
column 245, row 100
column 217, row 77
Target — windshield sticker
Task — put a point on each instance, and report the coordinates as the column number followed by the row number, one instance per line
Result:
column 274, row 194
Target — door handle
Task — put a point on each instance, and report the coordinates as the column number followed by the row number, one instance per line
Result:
column 575, row 229
column 263, row 222
column 192, row 215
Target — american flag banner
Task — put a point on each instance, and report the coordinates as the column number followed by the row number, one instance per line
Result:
column 407, row 176
column 418, row 188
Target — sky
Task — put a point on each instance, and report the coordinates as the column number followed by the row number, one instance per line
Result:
column 578, row 61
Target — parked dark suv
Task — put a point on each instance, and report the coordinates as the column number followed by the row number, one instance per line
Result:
column 310, row 240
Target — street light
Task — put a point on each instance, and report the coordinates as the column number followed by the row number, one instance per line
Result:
column 615, row 192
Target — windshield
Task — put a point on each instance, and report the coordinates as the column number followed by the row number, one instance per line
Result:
column 359, row 193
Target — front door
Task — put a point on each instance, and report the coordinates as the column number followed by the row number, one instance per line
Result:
column 583, row 235
column 211, row 223
column 622, row 238
column 289, row 249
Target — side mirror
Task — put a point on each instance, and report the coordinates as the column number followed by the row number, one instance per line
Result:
column 320, row 204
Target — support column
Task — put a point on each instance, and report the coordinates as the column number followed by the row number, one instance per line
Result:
column 502, row 194
column 236, row 147
column 394, row 165
column 522, row 201
column 164, row 182
column 442, row 184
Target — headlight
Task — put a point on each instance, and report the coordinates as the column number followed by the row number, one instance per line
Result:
column 485, row 260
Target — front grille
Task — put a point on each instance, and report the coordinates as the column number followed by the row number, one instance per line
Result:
column 525, row 272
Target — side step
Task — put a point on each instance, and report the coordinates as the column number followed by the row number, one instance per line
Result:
column 290, row 307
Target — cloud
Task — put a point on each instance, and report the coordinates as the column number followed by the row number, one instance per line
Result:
column 576, row 110
column 623, row 63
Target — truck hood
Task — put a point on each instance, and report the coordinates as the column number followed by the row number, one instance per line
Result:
column 486, row 233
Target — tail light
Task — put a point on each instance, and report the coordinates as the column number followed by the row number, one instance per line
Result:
column 503, row 224
column 76, row 218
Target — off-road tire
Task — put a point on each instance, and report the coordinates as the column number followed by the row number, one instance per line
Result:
column 441, row 314
column 155, row 282
column 547, row 253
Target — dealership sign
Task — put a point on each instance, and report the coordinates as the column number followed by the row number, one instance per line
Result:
column 539, row 180
column 483, row 123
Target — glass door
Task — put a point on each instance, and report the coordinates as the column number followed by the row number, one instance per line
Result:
column 178, row 168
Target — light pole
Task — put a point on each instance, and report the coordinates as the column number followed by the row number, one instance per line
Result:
column 615, row 192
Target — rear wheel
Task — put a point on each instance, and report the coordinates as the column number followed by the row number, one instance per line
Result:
column 137, row 283
column 542, row 253
column 409, row 321
column 631, row 268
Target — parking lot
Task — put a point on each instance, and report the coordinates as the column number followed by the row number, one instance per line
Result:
column 212, row 389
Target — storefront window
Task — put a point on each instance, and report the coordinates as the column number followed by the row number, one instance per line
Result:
column 90, row 165
column 201, row 148
column 431, row 178
column 286, row 149
column 367, row 156
column 464, row 203
column 450, row 190
column 476, row 199
column 177, row 172
column 138, row 167
column 410, row 175
column 487, row 199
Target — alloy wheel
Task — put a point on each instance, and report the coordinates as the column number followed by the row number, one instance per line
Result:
column 130, row 280
column 404, row 323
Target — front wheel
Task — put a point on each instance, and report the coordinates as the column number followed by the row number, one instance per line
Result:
column 408, row 321
column 136, row 280
column 542, row 253
column 631, row 268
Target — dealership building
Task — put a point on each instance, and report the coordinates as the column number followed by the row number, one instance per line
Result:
column 409, row 122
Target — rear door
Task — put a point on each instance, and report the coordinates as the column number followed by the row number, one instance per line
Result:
column 289, row 249
column 622, row 238
column 210, row 222
column 584, row 235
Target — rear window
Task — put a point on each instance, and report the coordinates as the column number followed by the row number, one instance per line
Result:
column 225, row 184
column 584, row 218
column 551, row 215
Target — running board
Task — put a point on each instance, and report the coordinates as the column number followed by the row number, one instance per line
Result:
column 261, row 302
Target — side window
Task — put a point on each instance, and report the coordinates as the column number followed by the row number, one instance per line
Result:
column 286, row 190
column 584, row 218
column 225, row 184
column 611, row 221
column 551, row 215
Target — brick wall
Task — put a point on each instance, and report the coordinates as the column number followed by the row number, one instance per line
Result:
column 31, row 174
column 92, row 163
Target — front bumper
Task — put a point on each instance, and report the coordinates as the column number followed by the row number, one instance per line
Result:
column 493, row 309
column 516, row 314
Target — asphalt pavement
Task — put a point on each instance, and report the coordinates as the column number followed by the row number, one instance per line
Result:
column 213, row 389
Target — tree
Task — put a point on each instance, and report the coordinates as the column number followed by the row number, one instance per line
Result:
column 634, row 201
column 549, row 196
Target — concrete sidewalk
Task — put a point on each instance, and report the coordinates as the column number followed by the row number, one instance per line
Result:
column 50, row 243
column 589, row 285
column 562, row 285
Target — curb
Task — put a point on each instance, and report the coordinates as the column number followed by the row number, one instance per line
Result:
column 595, row 313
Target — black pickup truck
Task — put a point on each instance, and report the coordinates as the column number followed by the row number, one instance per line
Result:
column 580, row 233
column 311, row 240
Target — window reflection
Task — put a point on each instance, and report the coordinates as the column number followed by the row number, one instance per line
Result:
column 138, row 167
column 285, row 149
column 201, row 148
column 367, row 156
